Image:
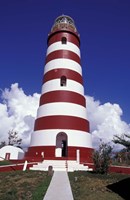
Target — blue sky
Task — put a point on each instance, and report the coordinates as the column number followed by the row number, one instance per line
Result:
column 104, row 28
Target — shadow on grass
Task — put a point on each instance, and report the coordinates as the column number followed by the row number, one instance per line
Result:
column 122, row 188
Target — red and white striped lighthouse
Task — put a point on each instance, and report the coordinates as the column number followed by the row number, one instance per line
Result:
column 61, row 128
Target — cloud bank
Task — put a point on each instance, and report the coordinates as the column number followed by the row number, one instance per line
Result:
column 18, row 112
column 105, row 122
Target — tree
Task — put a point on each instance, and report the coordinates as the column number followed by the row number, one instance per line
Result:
column 13, row 138
column 123, row 140
column 2, row 144
column 101, row 158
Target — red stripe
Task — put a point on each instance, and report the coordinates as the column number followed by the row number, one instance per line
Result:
column 58, row 37
column 63, row 54
column 62, row 96
column 49, row 153
column 61, row 122
column 58, row 73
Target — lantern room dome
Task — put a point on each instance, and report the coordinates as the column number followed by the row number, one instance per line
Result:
column 64, row 22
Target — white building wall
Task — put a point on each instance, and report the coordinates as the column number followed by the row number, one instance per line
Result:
column 58, row 108
column 63, row 63
column 15, row 152
column 59, row 46
column 48, row 138
column 54, row 85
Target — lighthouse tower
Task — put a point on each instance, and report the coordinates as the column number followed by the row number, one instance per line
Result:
column 61, row 128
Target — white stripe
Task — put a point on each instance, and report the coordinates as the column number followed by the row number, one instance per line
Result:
column 67, row 109
column 59, row 46
column 63, row 63
column 54, row 85
column 48, row 138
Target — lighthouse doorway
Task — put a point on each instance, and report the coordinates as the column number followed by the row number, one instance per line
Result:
column 61, row 145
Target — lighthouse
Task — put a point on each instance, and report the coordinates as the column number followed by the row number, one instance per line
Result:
column 61, row 129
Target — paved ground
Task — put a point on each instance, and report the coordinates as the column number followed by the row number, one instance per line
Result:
column 59, row 188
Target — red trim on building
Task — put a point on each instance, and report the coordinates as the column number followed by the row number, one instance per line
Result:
column 119, row 169
column 15, row 167
column 113, row 168
column 62, row 96
column 61, row 122
column 58, row 37
column 49, row 153
column 62, row 54
column 58, row 73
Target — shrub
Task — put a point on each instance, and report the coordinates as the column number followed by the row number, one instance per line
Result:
column 101, row 158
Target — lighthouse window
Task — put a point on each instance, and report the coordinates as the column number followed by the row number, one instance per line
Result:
column 64, row 40
column 63, row 81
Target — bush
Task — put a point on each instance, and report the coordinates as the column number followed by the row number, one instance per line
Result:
column 101, row 158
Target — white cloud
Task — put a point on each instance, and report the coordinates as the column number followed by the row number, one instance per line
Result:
column 18, row 111
column 105, row 121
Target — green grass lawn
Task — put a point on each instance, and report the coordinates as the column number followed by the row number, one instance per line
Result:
column 19, row 185
column 90, row 186
column 32, row 185
column 5, row 162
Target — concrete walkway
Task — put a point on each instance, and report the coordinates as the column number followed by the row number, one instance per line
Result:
column 59, row 187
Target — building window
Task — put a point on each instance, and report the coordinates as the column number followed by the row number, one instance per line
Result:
column 63, row 81
column 64, row 40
